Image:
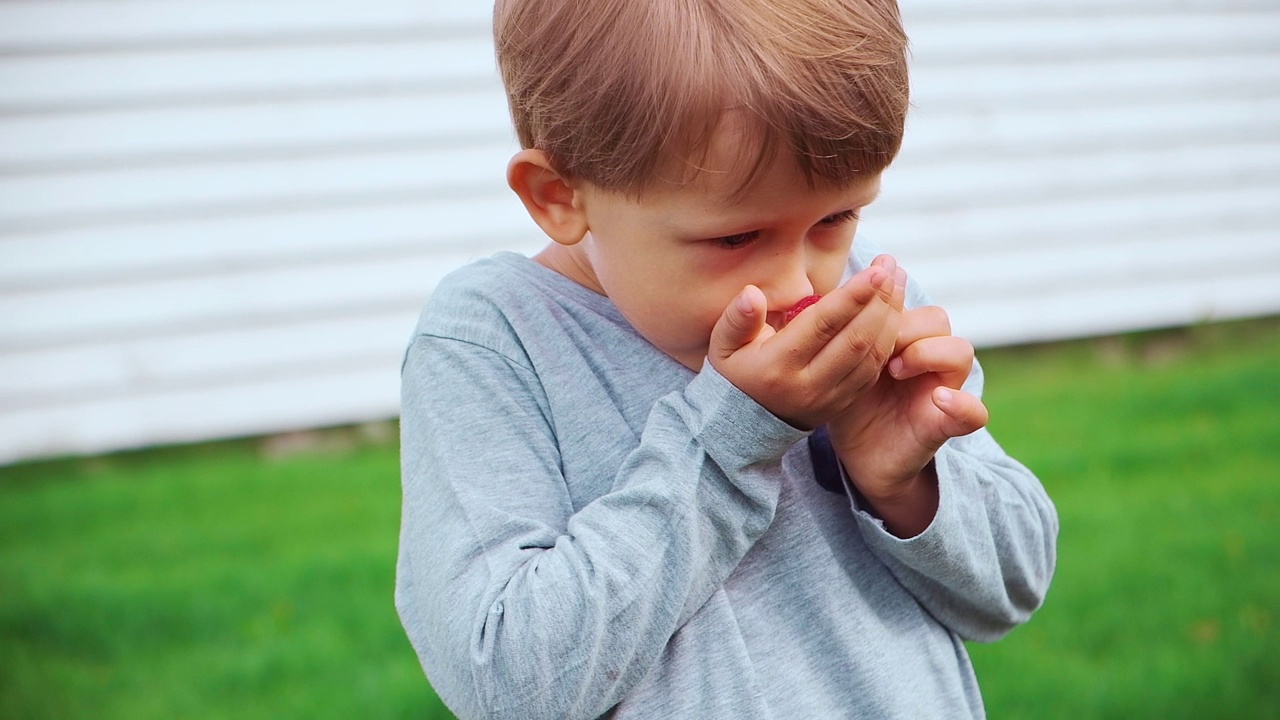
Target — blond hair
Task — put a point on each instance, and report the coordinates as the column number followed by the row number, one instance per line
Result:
column 614, row 91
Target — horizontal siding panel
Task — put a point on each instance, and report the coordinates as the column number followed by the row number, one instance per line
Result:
column 1099, row 263
column 51, row 200
column 210, row 76
column 173, row 135
column 992, row 229
column 339, row 231
column 361, row 393
column 267, row 296
column 1083, row 311
column 1031, row 40
column 1103, row 11
column 939, row 135
column 113, row 368
column 1005, row 87
column 920, row 185
column 34, row 26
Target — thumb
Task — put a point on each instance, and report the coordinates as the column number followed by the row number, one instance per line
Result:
column 741, row 323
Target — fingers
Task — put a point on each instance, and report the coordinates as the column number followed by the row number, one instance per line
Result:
column 920, row 323
column 871, row 336
column 820, row 324
column 898, row 299
column 950, row 357
column 851, row 322
column 858, row 355
column 743, row 321
column 962, row 413
column 825, row 353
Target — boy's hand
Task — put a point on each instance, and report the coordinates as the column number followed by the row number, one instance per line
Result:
column 888, row 437
column 816, row 367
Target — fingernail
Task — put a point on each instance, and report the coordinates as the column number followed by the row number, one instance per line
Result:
column 900, row 278
column 877, row 276
column 744, row 303
column 895, row 366
column 944, row 396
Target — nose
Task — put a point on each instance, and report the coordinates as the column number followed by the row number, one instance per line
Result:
column 788, row 279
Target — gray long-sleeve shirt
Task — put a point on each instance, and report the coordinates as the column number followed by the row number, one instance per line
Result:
column 590, row 526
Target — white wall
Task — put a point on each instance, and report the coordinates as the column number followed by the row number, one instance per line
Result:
column 221, row 218
column 1090, row 166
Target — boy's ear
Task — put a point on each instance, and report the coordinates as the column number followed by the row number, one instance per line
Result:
column 550, row 199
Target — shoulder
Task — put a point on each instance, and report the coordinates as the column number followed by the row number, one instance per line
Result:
column 488, row 282
column 510, row 304
column 473, row 304
column 864, row 251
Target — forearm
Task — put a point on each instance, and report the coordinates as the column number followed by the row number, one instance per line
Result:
column 508, row 615
column 984, row 561
column 984, row 564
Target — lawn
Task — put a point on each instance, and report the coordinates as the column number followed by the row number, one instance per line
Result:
column 253, row 579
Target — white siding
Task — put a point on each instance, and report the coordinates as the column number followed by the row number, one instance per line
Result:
column 221, row 218
column 1090, row 166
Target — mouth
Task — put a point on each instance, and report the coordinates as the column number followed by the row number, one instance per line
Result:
column 799, row 307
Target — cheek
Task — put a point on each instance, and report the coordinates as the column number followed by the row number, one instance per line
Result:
column 677, row 320
column 829, row 280
column 826, row 277
column 692, row 313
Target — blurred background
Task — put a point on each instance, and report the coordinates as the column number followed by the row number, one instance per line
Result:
column 219, row 219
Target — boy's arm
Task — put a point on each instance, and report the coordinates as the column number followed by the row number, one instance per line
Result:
column 517, row 605
column 982, row 560
column 983, row 555
column 984, row 563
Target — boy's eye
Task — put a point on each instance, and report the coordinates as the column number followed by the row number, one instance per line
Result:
column 839, row 218
column 733, row 242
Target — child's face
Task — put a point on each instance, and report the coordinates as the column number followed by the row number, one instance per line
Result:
column 674, row 260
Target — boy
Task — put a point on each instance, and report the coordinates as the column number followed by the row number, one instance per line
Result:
column 615, row 499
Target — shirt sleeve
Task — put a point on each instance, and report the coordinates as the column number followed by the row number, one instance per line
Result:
column 984, row 564
column 520, row 607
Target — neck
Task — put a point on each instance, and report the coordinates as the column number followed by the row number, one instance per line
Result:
column 570, row 262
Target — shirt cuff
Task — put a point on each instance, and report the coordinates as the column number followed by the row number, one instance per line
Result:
column 731, row 426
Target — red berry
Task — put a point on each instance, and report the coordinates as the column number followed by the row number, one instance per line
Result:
column 800, row 307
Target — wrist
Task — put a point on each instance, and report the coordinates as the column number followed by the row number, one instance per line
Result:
column 906, row 507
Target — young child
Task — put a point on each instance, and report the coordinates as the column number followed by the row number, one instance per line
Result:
column 634, row 485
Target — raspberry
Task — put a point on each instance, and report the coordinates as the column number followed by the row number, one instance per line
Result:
column 800, row 307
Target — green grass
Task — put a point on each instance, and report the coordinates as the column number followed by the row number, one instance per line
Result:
column 205, row 582
column 242, row 580
column 1162, row 453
